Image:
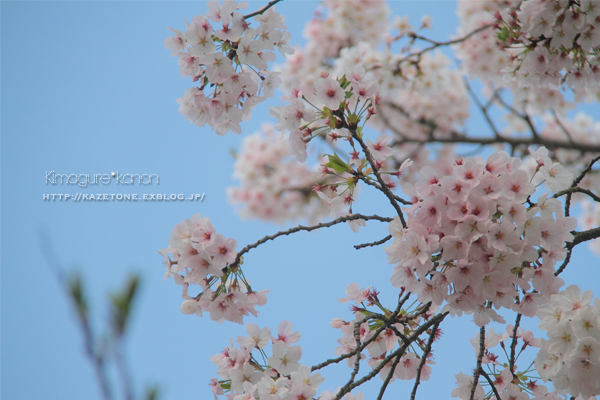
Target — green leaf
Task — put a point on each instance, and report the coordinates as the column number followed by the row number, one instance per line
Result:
column 76, row 291
column 344, row 82
column 122, row 303
column 353, row 119
column 336, row 163
column 152, row 393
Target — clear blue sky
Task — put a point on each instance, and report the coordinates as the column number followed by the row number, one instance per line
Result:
column 88, row 88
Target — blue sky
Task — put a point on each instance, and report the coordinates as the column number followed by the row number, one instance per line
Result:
column 88, row 88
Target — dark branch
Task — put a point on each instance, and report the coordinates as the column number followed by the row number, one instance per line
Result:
column 579, row 237
column 456, row 137
column 389, row 376
column 479, row 358
column 372, row 244
column 513, row 344
column 262, row 10
column 358, row 355
column 435, row 320
column 375, row 185
column 424, row 360
column 584, row 236
column 483, row 109
column 299, row 228
column 384, row 188
column 348, row 355
column 487, row 377
column 436, row 44
column 524, row 116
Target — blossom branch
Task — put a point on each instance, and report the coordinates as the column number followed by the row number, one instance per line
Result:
column 350, row 354
column 389, row 324
column 389, row 376
column 299, row 228
column 403, row 300
column 262, row 10
column 479, row 358
column 585, row 171
column 573, row 188
column 424, row 360
column 584, row 236
column 437, row 319
column 459, row 137
column 373, row 244
column 524, row 116
column 375, row 185
column 358, row 355
column 435, row 45
column 487, row 377
column 386, row 190
column 579, row 237
column 513, row 344
column 562, row 126
column 483, row 109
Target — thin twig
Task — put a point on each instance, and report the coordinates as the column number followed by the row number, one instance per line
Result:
column 372, row 244
column 390, row 325
column 376, row 185
column 384, row 188
column 565, row 263
column 436, row 44
column 578, row 237
column 483, row 110
column 358, row 355
column 389, row 376
column 575, row 188
column 524, row 116
column 456, row 137
column 350, row 354
column 487, row 377
column 299, row 228
column 562, row 127
column 262, row 10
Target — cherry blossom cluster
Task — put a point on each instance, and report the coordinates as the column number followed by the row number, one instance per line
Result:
column 475, row 239
column 427, row 89
column 482, row 58
column 229, row 62
column 381, row 340
column 243, row 376
column 557, row 41
column 479, row 54
column 203, row 257
column 272, row 186
column 321, row 110
column 248, row 373
column 570, row 357
column 509, row 384
column 339, row 24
